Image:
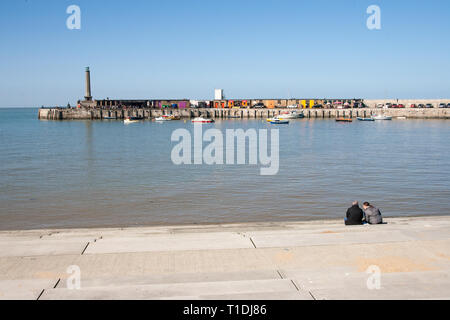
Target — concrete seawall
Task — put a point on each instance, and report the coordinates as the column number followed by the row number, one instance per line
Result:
column 99, row 114
column 409, row 258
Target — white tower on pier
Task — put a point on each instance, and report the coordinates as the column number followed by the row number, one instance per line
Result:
column 218, row 94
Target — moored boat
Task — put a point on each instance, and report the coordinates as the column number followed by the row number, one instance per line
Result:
column 381, row 117
column 291, row 115
column 365, row 119
column 277, row 120
column 344, row 119
column 202, row 120
column 160, row 119
column 131, row 120
column 173, row 117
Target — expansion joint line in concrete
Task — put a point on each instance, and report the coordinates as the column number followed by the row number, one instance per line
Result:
column 56, row 284
column 298, row 289
column 40, row 294
column 43, row 290
column 279, row 273
column 252, row 242
column 85, row 248
column 295, row 285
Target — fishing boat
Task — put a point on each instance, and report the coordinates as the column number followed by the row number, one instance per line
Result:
column 291, row 115
column 131, row 120
column 202, row 120
column 381, row 117
column 344, row 120
column 160, row 119
column 173, row 117
column 277, row 120
column 365, row 119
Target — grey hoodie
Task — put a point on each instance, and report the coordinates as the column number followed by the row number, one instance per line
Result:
column 373, row 215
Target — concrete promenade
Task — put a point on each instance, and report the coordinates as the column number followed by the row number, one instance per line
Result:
column 293, row 260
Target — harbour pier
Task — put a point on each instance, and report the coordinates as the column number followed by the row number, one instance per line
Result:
column 188, row 113
column 222, row 108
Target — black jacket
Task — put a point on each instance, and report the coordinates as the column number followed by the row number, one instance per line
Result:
column 355, row 215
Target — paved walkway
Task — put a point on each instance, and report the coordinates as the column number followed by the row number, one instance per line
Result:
column 294, row 260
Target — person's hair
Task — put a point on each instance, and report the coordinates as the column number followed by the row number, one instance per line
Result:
column 355, row 203
column 367, row 204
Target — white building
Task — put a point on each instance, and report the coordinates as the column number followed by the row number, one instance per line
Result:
column 218, row 94
column 194, row 103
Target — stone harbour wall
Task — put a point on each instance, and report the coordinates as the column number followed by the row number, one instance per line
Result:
column 100, row 114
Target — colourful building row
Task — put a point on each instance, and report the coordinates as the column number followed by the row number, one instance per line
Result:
column 281, row 103
column 234, row 103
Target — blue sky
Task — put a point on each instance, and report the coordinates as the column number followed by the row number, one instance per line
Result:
column 185, row 49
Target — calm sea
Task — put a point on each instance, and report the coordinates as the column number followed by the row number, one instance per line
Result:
column 105, row 173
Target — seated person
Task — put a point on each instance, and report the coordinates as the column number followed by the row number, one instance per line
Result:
column 373, row 215
column 354, row 215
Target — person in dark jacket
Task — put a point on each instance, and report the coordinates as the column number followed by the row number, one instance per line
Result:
column 373, row 215
column 354, row 215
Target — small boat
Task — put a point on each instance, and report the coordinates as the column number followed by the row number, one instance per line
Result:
column 172, row 117
column 277, row 120
column 381, row 117
column 401, row 118
column 160, row 119
column 291, row 115
column 202, row 120
column 132, row 120
column 344, row 119
column 365, row 119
